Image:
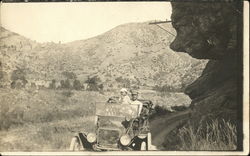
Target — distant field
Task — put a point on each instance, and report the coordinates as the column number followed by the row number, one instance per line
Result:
column 45, row 120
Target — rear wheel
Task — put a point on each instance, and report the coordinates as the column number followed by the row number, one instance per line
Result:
column 75, row 144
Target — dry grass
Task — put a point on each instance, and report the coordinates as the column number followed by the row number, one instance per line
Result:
column 217, row 135
column 44, row 120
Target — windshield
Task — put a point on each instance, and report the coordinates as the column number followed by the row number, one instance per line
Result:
column 119, row 110
column 110, row 121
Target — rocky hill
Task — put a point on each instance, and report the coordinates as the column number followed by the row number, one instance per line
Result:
column 213, row 31
column 135, row 54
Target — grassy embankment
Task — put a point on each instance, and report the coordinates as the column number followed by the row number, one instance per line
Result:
column 44, row 120
column 216, row 135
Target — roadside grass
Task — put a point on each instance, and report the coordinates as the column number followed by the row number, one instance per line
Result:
column 21, row 107
column 54, row 136
column 216, row 135
column 44, row 120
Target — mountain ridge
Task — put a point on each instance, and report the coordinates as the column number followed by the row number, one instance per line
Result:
column 133, row 51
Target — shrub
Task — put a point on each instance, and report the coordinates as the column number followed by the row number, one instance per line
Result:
column 52, row 85
column 1, row 74
column 77, row 85
column 168, row 88
column 65, row 84
column 94, row 83
column 18, row 74
column 217, row 135
column 18, row 84
column 67, row 93
column 123, row 81
column 100, row 86
column 10, row 117
column 69, row 75
column 18, row 78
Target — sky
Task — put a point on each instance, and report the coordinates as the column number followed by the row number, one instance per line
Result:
column 66, row 22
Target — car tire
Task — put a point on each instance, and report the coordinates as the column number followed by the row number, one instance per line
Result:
column 149, row 141
column 75, row 144
column 150, row 146
column 143, row 146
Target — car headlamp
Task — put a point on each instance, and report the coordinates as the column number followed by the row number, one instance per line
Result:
column 125, row 140
column 91, row 137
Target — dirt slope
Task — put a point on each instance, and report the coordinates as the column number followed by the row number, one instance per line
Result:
column 163, row 125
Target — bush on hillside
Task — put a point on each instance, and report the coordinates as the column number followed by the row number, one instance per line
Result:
column 69, row 75
column 94, row 83
column 52, row 85
column 18, row 74
column 18, row 78
column 167, row 88
column 2, row 76
column 77, row 85
column 125, row 82
column 65, row 84
column 10, row 116
column 68, row 93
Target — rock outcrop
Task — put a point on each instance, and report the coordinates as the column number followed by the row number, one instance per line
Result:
column 212, row 30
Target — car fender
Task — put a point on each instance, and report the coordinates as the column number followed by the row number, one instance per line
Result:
column 83, row 141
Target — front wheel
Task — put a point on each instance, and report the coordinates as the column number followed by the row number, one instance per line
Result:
column 150, row 146
column 75, row 144
column 143, row 146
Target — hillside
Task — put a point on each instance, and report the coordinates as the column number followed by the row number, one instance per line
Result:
column 137, row 53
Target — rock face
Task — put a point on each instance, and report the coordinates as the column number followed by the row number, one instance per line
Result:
column 205, row 30
column 212, row 30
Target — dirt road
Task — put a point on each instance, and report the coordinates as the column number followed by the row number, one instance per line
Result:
column 162, row 125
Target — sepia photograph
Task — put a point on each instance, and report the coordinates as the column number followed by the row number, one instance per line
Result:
column 149, row 77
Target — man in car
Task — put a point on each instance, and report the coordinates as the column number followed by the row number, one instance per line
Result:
column 134, row 100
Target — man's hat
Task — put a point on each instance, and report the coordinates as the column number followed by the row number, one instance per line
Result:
column 134, row 92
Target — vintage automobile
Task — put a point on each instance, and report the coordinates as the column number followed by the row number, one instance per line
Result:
column 118, row 127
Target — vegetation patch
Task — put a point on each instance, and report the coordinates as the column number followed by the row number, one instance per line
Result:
column 216, row 135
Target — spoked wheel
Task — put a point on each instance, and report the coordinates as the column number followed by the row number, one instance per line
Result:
column 150, row 146
column 149, row 140
column 146, row 146
column 143, row 146
column 75, row 144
